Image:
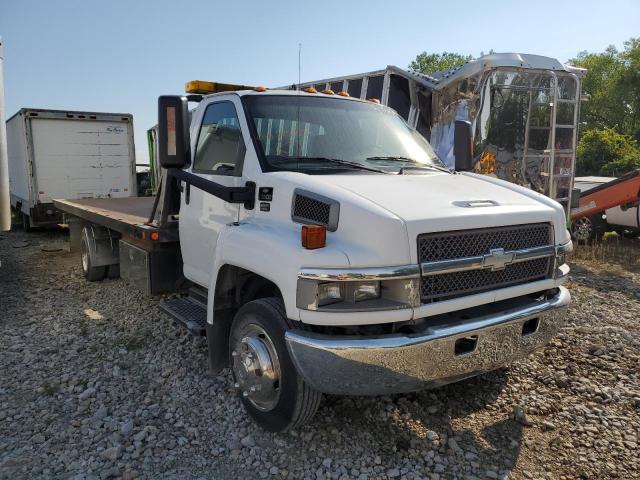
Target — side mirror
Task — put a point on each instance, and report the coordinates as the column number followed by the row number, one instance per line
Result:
column 173, row 131
column 463, row 146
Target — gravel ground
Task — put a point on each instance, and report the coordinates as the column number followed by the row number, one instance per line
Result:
column 95, row 382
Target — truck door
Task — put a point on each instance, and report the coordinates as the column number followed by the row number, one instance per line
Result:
column 218, row 156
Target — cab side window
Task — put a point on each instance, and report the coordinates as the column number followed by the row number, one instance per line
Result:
column 220, row 149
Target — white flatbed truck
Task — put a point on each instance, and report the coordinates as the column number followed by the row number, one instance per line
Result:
column 328, row 250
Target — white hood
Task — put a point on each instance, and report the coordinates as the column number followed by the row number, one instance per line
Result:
column 439, row 201
column 382, row 215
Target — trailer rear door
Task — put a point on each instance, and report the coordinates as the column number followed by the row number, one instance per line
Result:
column 82, row 158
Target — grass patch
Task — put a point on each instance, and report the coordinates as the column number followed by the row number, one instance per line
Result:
column 612, row 249
column 132, row 342
column 84, row 327
column 49, row 389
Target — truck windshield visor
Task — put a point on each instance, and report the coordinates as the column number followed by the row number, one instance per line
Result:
column 301, row 133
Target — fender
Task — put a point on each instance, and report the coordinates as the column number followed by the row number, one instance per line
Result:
column 279, row 260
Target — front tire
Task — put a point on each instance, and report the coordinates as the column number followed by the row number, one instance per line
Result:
column 90, row 272
column 269, row 386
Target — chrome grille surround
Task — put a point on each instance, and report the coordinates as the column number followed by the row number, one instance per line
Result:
column 466, row 262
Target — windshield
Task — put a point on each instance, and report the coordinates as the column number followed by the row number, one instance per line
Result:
column 321, row 134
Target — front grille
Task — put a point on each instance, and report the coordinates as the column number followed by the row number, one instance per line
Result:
column 457, row 284
column 470, row 243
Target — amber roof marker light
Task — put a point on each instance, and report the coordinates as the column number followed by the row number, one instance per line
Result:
column 310, row 90
column 327, row 91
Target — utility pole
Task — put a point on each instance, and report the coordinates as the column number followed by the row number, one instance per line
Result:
column 5, row 209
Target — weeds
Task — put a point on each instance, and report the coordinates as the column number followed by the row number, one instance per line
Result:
column 84, row 327
column 50, row 390
column 612, row 249
column 132, row 342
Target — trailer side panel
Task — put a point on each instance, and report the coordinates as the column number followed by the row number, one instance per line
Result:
column 18, row 163
column 81, row 159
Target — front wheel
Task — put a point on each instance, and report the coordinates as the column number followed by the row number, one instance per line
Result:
column 269, row 386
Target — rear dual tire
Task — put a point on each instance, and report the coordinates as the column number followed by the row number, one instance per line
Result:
column 269, row 386
column 91, row 272
column 26, row 222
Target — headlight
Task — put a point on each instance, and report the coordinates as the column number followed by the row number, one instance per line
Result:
column 334, row 292
column 329, row 293
column 366, row 291
column 359, row 289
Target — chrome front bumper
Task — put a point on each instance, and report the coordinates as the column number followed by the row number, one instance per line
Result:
column 376, row 365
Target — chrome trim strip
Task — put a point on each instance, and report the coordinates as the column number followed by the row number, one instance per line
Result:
column 484, row 261
column 564, row 248
column 401, row 272
column 395, row 363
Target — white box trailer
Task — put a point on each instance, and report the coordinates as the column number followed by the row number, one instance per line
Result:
column 65, row 154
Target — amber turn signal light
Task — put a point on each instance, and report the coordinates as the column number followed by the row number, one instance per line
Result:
column 314, row 236
column 155, row 236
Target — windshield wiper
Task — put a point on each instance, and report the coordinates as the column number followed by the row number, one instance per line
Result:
column 411, row 160
column 337, row 161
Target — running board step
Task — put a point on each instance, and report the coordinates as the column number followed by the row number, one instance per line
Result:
column 198, row 294
column 187, row 312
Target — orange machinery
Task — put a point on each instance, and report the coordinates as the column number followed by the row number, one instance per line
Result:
column 621, row 191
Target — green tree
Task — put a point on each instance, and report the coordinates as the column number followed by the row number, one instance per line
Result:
column 433, row 62
column 607, row 152
column 612, row 82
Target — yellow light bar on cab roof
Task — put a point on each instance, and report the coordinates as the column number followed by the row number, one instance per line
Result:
column 202, row 87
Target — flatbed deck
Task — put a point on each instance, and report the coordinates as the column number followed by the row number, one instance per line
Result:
column 128, row 216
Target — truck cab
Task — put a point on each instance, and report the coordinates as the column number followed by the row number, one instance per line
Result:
column 339, row 255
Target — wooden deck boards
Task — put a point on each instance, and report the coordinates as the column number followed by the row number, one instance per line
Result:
column 130, row 210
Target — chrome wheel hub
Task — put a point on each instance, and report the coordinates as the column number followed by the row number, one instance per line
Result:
column 85, row 258
column 256, row 368
column 582, row 228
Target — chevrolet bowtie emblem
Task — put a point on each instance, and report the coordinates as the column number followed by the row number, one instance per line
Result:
column 497, row 259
